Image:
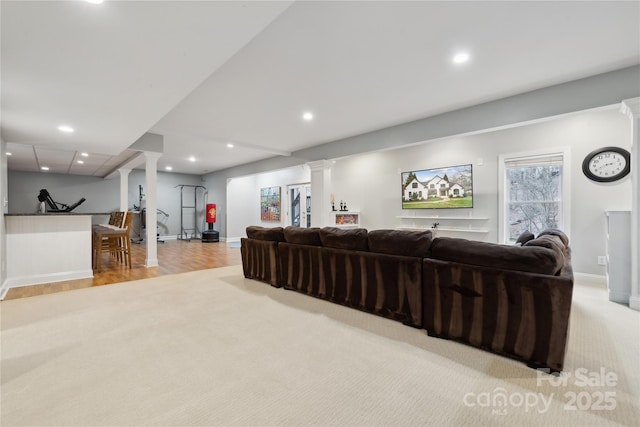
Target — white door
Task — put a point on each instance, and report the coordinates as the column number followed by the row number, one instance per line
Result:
column 299, row 205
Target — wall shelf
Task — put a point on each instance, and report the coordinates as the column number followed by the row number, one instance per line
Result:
column 456, row 218
column 447, row 224
column 452, row 229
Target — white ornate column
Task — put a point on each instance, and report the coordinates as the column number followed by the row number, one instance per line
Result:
column 151, row 183
column 320, row 189
column 631, row 108
column 124, row 189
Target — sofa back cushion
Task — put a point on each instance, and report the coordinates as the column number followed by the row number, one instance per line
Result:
column 529, row 258
column 415, row 243
column 549, row 241
column 353, row 239
column 275, row 234
column 555, row 232
column 303, row 236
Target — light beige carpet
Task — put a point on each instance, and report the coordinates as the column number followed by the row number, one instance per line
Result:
column 213, row 348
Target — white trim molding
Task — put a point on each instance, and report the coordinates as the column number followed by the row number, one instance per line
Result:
column 631, row 109
column 590, row 279
column 566, row 186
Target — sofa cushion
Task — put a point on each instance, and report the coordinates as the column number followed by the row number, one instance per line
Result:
column 549, row 241
column 353, row 239
column 524, row 237
column 274, row 234
column 556, row 232
column 532, row 259
column 416, row 243
column 303, row 236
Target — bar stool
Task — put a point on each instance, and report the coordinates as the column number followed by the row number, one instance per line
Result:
column 113, row 239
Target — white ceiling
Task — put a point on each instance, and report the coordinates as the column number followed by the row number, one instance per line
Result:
column 204, row 74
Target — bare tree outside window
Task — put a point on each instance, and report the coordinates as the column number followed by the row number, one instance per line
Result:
column 534, row 198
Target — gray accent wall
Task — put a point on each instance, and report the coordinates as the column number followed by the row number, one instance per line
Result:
column 103, row 195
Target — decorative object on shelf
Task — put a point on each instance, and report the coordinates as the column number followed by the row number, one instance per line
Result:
column 333, row 205
column 345, row 219
column 441, row 188
column 435, row 225
column 607, row 164
column 270, row 204
column 343, row 206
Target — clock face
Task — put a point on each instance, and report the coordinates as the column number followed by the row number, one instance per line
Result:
column 607, row 164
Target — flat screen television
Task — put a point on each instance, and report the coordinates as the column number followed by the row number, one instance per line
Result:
column 441, row 188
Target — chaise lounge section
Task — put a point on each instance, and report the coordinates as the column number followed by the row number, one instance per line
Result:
column 507, row 299
column 510, row 300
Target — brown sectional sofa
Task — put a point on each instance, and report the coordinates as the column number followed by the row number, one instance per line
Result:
column 379, row 272
column 510, row 300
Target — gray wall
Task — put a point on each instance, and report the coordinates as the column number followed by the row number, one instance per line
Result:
column 371, row 182
column 583, row 94
column 103, row 195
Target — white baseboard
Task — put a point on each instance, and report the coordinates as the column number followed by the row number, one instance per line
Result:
column 590, row 279
column 17, row 282
column 3, row 290
column 619, row 297
column 232, row 239
column 634, row 303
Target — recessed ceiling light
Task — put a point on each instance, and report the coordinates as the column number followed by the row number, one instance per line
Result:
column 169, row 168
column 84, row 154
column 229, row 145
column 45, row 168
column 9, row 154
column 94, row 1
column 192, row 159
column 81, row 162
column 307, row 116
column 460, row 58
column 65, row 129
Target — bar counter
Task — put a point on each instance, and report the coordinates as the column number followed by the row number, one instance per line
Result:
column 47, row 247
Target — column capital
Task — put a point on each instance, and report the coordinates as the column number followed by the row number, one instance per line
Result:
column 124, row 171
column 631, row 108
column 151, row 155
column 319, row 164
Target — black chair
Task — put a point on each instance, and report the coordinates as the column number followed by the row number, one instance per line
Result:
column 53, row 206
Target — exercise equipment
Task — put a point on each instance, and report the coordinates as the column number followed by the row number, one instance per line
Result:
column 210, row 235
column 188, row 233
column 45, row 198
column 142, row 221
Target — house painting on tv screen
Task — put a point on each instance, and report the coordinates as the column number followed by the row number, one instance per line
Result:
column 448, row 187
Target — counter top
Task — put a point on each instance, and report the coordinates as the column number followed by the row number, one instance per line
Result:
column 58, row 214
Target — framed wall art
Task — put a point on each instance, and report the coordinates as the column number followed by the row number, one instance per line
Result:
column 440, row 188
column 270, row 204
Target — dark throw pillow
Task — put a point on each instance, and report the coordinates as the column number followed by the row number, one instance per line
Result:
column 525, row 237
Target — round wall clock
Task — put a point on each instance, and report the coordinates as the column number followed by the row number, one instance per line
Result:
column 607, row 164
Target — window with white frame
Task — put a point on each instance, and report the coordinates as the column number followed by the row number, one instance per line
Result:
column 534, row 193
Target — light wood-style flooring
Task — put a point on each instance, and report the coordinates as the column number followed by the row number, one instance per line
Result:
column 174, row 256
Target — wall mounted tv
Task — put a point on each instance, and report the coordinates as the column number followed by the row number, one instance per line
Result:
column 442, row 188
